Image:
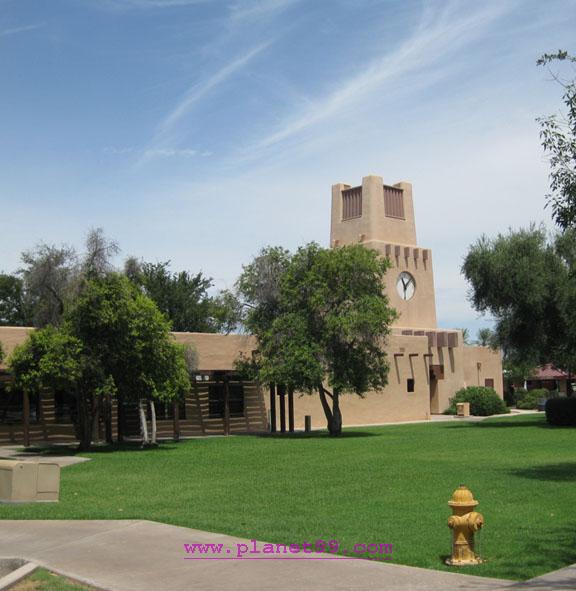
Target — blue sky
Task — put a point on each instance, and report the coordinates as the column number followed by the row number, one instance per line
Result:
column 201, row 130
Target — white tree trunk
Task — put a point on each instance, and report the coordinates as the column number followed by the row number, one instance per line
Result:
column 153, row 420
column 143, row 425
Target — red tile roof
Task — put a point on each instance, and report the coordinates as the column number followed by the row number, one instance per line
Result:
column 549, row 372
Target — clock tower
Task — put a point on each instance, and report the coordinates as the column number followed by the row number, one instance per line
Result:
column 382, row 217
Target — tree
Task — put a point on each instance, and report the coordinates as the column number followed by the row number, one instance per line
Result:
column 182, row 297
column 558, row 135
column 527, row 283
column 49, row 278
column 465, row 336
column 486, row 338
column 321, row 319
column 97, row 260
column 125, row 334
column 52, row 359
column 12, row 309
column 53, row 276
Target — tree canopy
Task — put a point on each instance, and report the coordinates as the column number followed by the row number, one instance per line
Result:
column 558, row 135
column 526, row 281
column 321, row 319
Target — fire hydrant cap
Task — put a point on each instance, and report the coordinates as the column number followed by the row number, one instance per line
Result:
column 462, row 497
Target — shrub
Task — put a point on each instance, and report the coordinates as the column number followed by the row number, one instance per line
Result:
column 561, row 411
column 529, row 400
column 483, row 401
column 519, row 394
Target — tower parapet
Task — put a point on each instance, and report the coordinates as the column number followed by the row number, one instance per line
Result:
column 382, row 217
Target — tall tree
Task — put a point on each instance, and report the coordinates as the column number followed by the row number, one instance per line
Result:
column 50, row 277
column 52, row 359
column 181, row 296
column 526, row 282
column 12, row 307
column 558, row 135
column 99, row 252
column 126, row 335
column 321, row 319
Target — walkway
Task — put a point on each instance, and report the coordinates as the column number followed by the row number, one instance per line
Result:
column 147, row 556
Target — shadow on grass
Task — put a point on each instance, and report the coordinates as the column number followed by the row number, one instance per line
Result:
column 318, row 435
column 550, row 551
column 563, row 472
column 538, row 422
column 72, row 450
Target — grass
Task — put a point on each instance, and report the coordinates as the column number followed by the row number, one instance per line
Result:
column 44, row 580
column 373, row 485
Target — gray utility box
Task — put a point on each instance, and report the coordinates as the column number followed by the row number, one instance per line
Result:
column 29, row 482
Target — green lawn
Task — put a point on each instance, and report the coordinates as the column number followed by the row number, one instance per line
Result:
column 44, row 580
column 373, row 485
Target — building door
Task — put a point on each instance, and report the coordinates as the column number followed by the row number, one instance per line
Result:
column 436, row 373
column 433, row 394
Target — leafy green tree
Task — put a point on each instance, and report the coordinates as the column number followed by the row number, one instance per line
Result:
column 52, row 359
column 321, row 319
column 125, row 334
column 558, row 135
column 182, row 297
column 12, row 308
column 527, row 283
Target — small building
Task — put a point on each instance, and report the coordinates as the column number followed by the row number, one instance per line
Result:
column 550, row 378
column 428, row 364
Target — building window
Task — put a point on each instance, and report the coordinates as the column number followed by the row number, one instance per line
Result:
column 410, row 384
column 394, row 203
column 352, row 203
column 65, row 407
column 489, row 383
column 165, row 410
column 216, row 400
column 236, row 400
column 12, row 405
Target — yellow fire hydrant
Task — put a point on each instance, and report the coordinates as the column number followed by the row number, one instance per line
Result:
column 464, row 523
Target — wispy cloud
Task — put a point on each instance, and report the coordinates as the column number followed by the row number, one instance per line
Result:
column 156, row 152
column 190, row 99
column 198, row 91
column 436, row 36
column 123, row 4
column 256, row 9
column 23, row 29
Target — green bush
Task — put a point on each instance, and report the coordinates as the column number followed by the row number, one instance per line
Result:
column 483, row 401
column 529, row 400
column 519, row 394
column 561, row 411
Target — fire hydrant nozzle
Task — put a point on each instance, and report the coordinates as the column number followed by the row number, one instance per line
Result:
column 464, row 523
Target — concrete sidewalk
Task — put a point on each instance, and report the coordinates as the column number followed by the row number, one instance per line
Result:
column 148, row 556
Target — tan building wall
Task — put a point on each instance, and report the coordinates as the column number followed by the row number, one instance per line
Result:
column 483, row 367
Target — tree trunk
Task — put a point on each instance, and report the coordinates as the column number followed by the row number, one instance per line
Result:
column 153, row 421
column 108, row 416
column 143, row 425
column 85, row 422
column 121, row 418
column 333, row 415
column 26, row 417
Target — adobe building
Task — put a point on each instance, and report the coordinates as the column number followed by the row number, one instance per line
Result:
column 427, row 364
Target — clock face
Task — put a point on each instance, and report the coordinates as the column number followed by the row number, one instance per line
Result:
column 406, row 286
